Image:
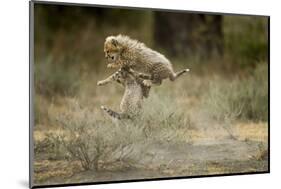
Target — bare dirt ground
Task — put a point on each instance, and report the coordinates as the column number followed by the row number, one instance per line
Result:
column 204, row 153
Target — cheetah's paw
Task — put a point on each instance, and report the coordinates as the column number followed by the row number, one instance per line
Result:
column 147, row 83
column 100, row 83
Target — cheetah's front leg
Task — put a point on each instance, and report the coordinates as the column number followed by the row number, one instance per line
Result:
column 113, row 77
column 104, row 82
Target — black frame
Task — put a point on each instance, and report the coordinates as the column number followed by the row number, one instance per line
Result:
column 31, row 94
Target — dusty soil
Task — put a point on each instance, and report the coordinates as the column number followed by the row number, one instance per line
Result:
column 205, row 153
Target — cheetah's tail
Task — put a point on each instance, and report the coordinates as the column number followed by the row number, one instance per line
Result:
column 177, row 74
column 114, row 114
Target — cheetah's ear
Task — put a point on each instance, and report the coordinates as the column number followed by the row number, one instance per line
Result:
column 114, row 42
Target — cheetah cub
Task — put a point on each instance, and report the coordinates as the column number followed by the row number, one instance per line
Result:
column 121, row 51
column 135, row 91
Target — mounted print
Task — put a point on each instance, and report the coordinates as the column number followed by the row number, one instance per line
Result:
column 121, row 94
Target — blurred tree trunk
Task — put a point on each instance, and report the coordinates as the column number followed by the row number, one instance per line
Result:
column 184, row 34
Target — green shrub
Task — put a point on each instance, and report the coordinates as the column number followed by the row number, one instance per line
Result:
column 100, row 143
column 245, row 39
column 163, row 119
column 53, row 77
column 97, row 144
column 245, row 98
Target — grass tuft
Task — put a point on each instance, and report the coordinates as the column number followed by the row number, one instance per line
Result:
column 245, row 98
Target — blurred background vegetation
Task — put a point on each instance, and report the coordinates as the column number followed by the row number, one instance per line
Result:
column 69, row 46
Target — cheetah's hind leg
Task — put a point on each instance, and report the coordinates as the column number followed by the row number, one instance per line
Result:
column 174, row 76
column 114, row 114
column 144, row 80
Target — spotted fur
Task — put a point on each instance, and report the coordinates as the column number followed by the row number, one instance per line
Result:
column 135, row 91
column 122, row 51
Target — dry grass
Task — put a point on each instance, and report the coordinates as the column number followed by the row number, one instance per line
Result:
column 241, row 98
column 48, row 169
column 252, row 131
column 73, row 128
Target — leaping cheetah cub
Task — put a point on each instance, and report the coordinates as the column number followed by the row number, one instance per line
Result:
column 135, row 91
column 121, row 51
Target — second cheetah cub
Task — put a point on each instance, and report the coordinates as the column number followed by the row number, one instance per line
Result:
column 122, row 51
column 134, row 94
